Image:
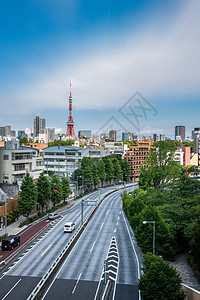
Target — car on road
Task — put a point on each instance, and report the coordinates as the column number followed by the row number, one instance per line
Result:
column 53, row 216
column 10, row 242
column 69, row 227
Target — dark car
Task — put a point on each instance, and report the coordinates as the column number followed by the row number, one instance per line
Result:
column 53, row 216
column 10, row 242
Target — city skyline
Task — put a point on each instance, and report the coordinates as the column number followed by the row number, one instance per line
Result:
column 109, row 52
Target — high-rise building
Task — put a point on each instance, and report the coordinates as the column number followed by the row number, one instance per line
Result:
column 85, row 134
column 155, row 137
column 180, row 133
column 162, row 137
column 39, row 124
column 113, row 135
column 5, row 131
column 21, row 134
column 129, row 136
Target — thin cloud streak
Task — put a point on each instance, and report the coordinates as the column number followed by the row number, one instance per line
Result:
column 154, row 63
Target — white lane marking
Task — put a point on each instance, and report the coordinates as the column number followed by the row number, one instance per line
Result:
column 108, row 212
column 120, row 212
column 117, row 223
column 138, row 265
column 101, row 225
column 46, row 250
column 76, row 283
column 11, row 289
column 118, row 218
column 2, row 276
column 115, row 230
column 92, row 246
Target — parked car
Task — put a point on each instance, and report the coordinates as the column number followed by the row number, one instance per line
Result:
column 69, row 227
column 53, row 216
column 10, row 242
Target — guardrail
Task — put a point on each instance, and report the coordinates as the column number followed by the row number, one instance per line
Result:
column 62, row 256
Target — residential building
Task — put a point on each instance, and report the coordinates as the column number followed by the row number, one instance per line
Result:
column 186, row 155
column 179, row 156
column 115, row 148
column 180, row 133
column 196, row 138
column 84, row 134
column 16, row 161
column 39, row 124
column 48, row 135
column 13, row 133
column 39, row 146
column 194, row 160
column 136, row 156
column 64, row 160
column 113, row 135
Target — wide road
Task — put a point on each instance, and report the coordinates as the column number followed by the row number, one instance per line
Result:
column 22, row 277
column 81, row 273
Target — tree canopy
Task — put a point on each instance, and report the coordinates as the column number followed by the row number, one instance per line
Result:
column 160, row 281
column 27, row 195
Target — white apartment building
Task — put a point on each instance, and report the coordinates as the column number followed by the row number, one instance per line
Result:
column 16, row 161
column 64, row 160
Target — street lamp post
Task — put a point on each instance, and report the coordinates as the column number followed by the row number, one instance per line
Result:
column 154, row 232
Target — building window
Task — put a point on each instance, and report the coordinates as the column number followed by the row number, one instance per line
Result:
column 6, row 157
column 20, row 167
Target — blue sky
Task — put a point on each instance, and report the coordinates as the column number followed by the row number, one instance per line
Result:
column 110, row 50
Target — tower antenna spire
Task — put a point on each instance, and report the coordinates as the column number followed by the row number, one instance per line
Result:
column 70, row 123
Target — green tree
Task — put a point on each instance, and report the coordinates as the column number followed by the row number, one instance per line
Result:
column 27, row 195
column 117, row 168
column 43, row 190
column 164, row 242
column 159, row 168
column 109, row 168
column 56, row 189
column 102, row 172
column 23, row 141
column 126, row 170
column 160, row 281
column 88, row 178
column 65, row 187
column 95, row 174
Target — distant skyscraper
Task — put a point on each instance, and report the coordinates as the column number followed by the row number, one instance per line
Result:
column 180, row 132
column 113, row 135
column 162, row 137
column 5, row 131
column 129, row 136
column 39, row 124
column 85, row 134
column 155, row 137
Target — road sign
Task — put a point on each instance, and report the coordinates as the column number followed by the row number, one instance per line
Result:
column 90, row 202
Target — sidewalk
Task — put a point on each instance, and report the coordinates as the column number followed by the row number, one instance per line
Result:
column 14, row 228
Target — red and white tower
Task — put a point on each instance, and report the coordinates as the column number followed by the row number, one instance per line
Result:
column 70, row 123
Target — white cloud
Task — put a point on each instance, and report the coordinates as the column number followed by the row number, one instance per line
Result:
column 156, row 63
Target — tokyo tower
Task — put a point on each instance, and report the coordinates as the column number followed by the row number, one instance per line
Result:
column 70, row 123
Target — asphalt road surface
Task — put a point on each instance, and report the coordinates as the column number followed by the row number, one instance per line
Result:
column 81, row 273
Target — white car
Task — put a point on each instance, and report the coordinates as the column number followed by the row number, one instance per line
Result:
column 69, row 227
